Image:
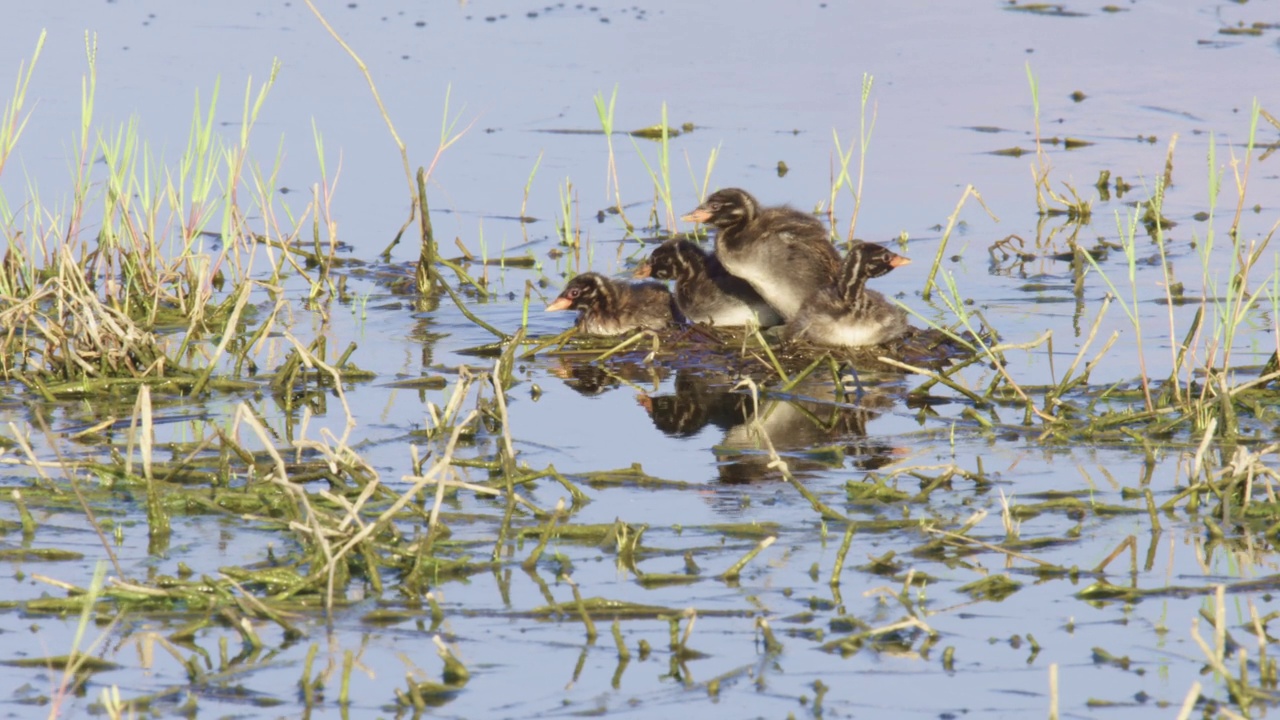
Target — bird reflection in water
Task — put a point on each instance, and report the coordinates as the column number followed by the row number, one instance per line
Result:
column 591, row 379
column 810, row 435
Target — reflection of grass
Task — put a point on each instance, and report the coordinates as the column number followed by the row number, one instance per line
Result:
column 80, row 664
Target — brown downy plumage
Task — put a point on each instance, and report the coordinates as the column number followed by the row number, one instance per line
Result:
column 783, row 253
column 848, row 314
column 613, row 307
column 705, row 292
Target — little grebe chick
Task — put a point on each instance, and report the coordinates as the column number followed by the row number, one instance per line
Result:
column 848, row 314
column 783, row 253
column 613, row 307
column 705, row 291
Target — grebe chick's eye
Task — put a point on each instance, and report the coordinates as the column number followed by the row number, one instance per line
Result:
column 574, row 292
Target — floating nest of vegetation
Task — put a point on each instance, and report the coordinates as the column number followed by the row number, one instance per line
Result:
column 742, row 352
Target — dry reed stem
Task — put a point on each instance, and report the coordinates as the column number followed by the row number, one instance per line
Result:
column 1189, row 702
column 312, row 362
column 373, row 87
column 442, row 465
column 1093, row 332
column 735, row 570
column 989, row 546
column 230, row 331
column 479, row 490
column 1197, row 463
column 280, row 477
column 777, row 463
column 930, row 281
column 936, row 377
column 910, row 621
column 1053, row 691
column 21, row 440
column 500, row 396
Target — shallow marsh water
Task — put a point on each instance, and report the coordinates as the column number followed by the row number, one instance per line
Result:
column 760, row 84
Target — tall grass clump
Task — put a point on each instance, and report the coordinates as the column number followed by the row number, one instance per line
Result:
column 1211, row 398
column 95, row 288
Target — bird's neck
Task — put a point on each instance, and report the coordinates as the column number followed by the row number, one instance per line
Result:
column 691, row 268
column 733, row 234
column 607, row 300
column 856, row 281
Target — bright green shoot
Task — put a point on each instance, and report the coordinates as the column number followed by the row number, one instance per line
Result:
column 662, row 176
column 198, row 169
column 705, row 184
column 528, row 186
column 235, row 162
column 1242, row 176
column 605, row 113
column 843, row 179
column 484, row 253
column 1128, row 231
column 88, row 90
column 449, row 132
column 13, row 122
column 1275, row 301
column 570, row 231
column 1040, row 168
column 1231, row 304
